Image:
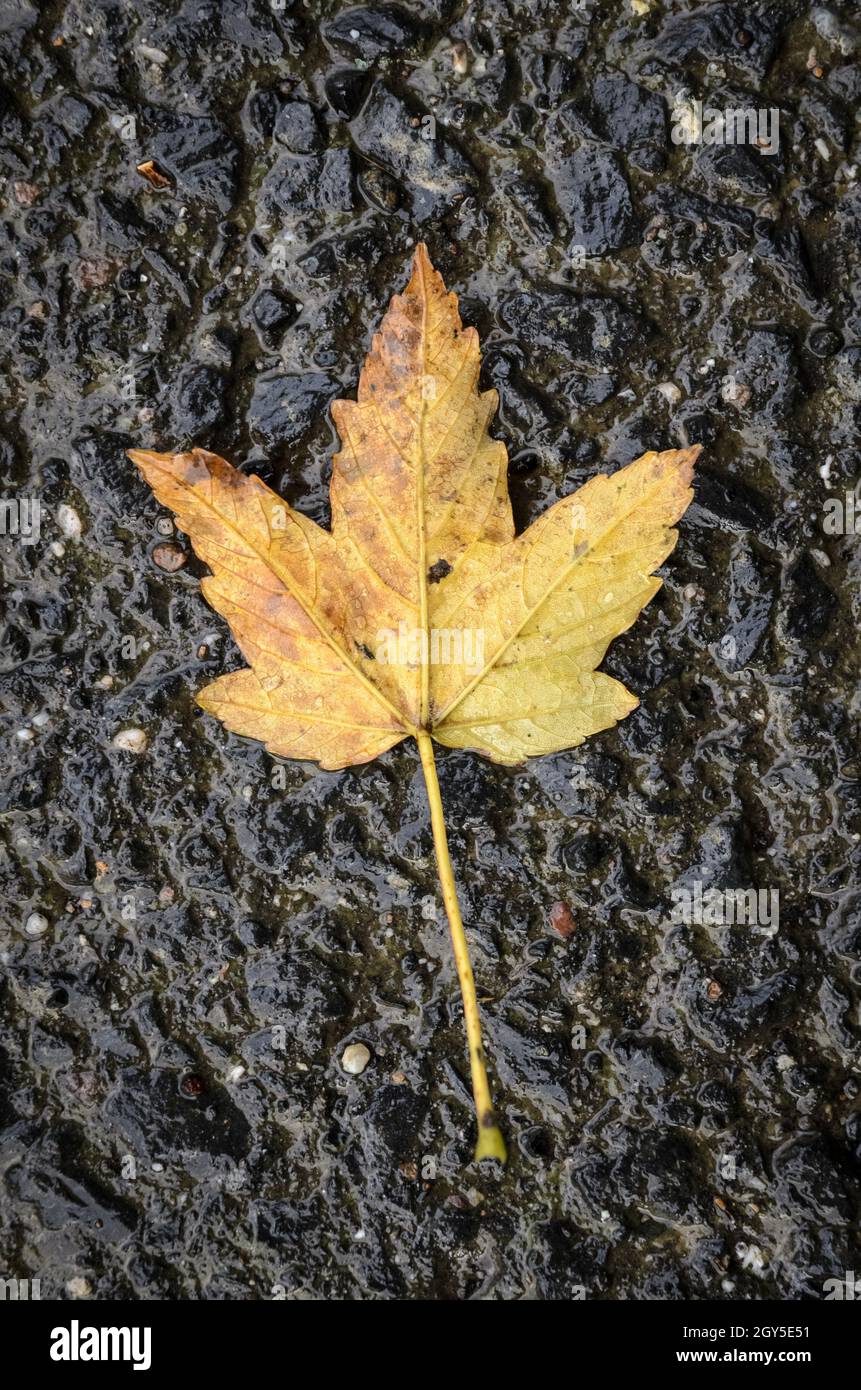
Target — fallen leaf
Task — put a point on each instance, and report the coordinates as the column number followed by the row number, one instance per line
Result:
column 153, row 174
column 421, row 613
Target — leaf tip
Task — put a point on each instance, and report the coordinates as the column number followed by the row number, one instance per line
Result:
column 146, row 458
column 687, row 459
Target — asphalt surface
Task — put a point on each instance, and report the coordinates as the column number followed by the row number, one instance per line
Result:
column 208, row 929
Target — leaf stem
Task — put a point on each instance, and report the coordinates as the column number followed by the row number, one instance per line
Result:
column 490, row 1143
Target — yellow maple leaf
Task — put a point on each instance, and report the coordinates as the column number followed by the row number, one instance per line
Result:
column 421, row 614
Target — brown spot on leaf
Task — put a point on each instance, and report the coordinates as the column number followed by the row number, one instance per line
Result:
column 438, row 570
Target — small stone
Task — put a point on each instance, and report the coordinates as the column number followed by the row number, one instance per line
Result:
column 735, row 392
column 36, row 925
column 164, row 526
column 69, row 522
column 714, row 990
column 130, row 740
column 750, row 1257
column 398, row 1078
column 355, row 1058
column 670, row 391
column 460, row 59
column 169, row 557
column 273, row 311
column 153, row 55
column 26, row 194
column 562, row 920
column 79, row 1287
column 93, row 273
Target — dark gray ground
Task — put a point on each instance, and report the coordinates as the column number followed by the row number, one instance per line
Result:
column 195, row 909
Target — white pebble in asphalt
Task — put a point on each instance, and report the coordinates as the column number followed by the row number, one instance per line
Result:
column 356, row 1057
column 130, row 740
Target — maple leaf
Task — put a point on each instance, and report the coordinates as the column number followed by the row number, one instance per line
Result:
column 421, row 614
